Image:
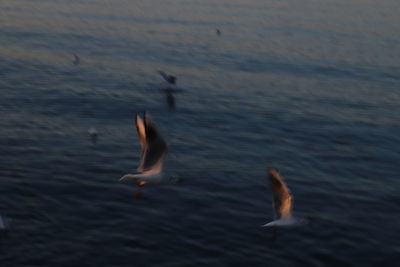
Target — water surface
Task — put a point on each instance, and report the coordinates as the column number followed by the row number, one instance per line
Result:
column 309, row 87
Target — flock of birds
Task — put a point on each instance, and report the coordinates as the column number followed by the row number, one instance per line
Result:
column 154, row 150
column 150, row 172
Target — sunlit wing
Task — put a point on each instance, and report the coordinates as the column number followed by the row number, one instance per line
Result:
column 140, row 128
column 141, row 132
column 153, row 145
column 282, row 199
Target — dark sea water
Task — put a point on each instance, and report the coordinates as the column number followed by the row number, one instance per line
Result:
column 310, row 87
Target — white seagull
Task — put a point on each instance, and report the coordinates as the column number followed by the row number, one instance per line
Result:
column 152, row 156
column 282, row 204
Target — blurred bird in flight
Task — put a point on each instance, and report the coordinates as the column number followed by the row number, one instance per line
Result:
column 77, row 60
column 153, row 151
column 282, row 205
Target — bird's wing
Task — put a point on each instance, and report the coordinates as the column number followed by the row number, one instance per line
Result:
column 155, row 149
column 282, row 199
column 77, row 59
column 141, row 132
column 164, row 75
column 156, row 168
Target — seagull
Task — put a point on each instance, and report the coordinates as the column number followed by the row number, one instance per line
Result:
column 93, row 134
column 282, row 204
column 169, row 78
column 218, row 32
column 153, row 151
column 77, row 60
column 3, row 223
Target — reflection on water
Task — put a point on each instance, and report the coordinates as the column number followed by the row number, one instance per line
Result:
column 309, row 87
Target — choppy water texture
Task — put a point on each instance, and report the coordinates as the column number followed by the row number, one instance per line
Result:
column 309, row 87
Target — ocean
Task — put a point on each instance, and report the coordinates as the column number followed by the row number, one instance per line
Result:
column 309, row 87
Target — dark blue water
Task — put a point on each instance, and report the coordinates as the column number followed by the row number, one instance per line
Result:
column 309, row 87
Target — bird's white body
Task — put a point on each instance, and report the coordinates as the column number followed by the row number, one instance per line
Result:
column 286, row 223
column 142, row 178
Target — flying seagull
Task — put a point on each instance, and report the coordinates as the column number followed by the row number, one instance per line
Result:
column 282, row 204
column 77, row 60
column 93, row 134
column 153, row 151
column 169, row 78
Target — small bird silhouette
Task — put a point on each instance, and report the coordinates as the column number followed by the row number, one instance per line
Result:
column 169, row 78
column 93, row 134
column 77, row 60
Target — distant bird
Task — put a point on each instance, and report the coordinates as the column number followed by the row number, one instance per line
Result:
column 93, row 134
column 218, row 32
column 169, row 78
column 77, row 60
column 153, row 151
column 3, row 223
column 282, row 205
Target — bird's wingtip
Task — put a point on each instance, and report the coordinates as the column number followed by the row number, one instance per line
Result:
column 272, row 170
column 122, row 178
